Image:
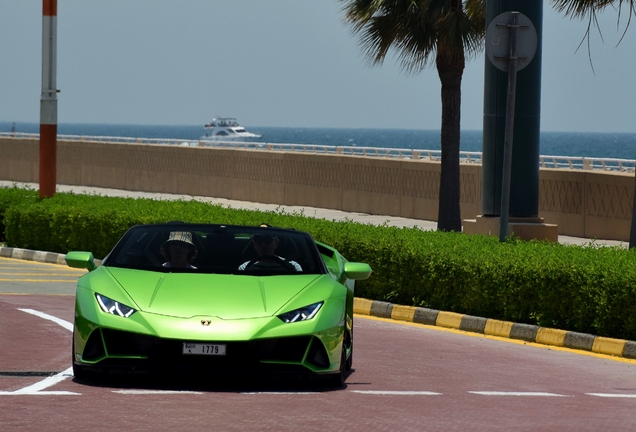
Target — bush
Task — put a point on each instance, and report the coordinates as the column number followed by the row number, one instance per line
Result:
column 10, row 197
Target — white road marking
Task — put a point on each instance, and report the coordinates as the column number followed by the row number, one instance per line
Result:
column 612, row 395
column 67, row 325
column 41, row 393
column 399, row 393
column 36, row 389
column 161, row 392
column 279, row 393
column 503, row 393
column 47, row 382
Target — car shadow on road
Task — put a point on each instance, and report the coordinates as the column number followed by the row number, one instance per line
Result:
column 233, row 383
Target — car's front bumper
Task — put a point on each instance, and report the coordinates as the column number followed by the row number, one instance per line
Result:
column 146, row 342
column 122, row 351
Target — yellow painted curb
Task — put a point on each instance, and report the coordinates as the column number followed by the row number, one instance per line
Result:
column 362, row 306
column 498, row 328
column 452, row 320
column 449, row 319
column 403, row 313
column 610, row 346
column 550, row 336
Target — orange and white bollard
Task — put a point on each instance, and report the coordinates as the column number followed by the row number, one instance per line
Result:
column 48, row 100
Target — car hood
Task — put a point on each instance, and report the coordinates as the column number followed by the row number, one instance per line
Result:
column 224, row 296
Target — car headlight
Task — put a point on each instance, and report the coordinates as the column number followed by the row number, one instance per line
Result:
column 301, row 314
column 113, row 307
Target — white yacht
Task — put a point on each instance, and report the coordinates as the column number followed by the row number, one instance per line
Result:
column 226, row 128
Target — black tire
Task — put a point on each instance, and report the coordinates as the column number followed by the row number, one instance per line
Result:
column 349, row 344
column 349, row 363
column 338, row 379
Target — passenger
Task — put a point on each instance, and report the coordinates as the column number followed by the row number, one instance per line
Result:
column 265, row 246
column 178, row 250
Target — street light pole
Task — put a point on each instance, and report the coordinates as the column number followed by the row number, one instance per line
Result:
column 48, row 100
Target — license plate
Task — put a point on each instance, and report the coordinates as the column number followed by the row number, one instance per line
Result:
column 204, row 349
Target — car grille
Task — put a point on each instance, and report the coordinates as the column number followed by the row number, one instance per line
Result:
column 121, row 347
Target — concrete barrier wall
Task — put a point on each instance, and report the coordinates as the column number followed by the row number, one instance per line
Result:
column 582, row 203
column 592, row 204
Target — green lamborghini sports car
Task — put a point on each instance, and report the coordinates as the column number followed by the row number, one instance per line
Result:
column 215, row 299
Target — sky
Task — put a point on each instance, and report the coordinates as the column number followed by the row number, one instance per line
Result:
column 281, row 63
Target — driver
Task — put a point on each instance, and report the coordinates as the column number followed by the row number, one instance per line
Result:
column 265, row 247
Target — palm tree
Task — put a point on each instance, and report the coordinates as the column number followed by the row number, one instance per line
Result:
column 589, row 8
column 422, row 31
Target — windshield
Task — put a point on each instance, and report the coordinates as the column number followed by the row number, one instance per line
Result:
column 217, row 249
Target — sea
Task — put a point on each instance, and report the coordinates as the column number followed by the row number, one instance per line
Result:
column 573, row 144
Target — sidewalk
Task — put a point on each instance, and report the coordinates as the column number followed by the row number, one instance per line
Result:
column 307, row 211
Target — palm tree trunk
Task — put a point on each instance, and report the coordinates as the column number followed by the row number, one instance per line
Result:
column 450, row 69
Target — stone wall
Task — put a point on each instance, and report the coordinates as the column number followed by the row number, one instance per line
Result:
column 592, row 204
column 582, row 203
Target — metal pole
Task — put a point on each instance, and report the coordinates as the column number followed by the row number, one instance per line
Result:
column 524, row 182
column 510, row 123
column 48, row 100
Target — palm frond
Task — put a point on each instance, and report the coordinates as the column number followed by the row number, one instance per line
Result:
column 589, row 9
column 583, row 8
column 415, row 28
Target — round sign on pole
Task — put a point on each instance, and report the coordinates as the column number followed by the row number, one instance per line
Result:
column 498, row 41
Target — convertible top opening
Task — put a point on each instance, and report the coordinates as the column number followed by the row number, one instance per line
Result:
column 222, row 249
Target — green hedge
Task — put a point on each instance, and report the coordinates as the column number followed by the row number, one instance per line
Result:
column 588, row 289
column 10, row 197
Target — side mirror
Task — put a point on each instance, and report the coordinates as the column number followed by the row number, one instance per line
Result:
column 357, row 270
column 81, row 260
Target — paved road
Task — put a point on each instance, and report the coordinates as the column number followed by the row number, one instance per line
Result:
column 30, row 277
column 406, row 377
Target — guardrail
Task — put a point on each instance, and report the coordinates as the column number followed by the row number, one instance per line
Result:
column 587, row 163
column 545, row 161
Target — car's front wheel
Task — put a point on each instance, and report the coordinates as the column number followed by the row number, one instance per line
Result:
column 348, row 344
column 338, row 379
